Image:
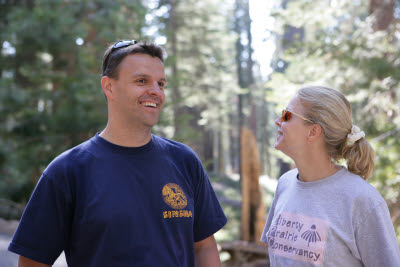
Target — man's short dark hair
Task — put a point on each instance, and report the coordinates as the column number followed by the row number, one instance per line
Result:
column 113, row 57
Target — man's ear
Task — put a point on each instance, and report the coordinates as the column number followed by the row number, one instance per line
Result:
column 107, row 86
column 315, row 132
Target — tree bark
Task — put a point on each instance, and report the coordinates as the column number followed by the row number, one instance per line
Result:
column 383, row 11
column 174, row 66
column 253, row 207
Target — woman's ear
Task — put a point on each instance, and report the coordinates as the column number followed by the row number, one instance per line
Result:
column 107, row 86
column 315, row 132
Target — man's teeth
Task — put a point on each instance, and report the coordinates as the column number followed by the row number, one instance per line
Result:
column 148, row 104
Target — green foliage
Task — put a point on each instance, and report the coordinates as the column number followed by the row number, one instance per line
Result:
column 228, row 192
column 205, row 70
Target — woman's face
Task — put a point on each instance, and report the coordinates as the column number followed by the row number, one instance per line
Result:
column 292, row 134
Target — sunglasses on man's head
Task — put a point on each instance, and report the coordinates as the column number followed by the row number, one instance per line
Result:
column 287, row 115
column 117, row 45
column 123, row 43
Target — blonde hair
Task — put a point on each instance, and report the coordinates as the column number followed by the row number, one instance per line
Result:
column 330, row 109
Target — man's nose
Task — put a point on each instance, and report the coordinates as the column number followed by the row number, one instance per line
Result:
column 155, row 89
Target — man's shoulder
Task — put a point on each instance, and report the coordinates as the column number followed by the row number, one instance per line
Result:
column 173, row 146
column 77, row 152
column 75, row 156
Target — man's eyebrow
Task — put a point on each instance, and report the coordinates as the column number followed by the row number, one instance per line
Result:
column 142, row 75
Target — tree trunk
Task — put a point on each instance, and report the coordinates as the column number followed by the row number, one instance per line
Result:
column 383, row 11
column 176, row 95
column 253, row 207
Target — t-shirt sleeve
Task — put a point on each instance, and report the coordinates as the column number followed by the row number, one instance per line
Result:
column 208, row 214
column 376, row 239
column 42, row 232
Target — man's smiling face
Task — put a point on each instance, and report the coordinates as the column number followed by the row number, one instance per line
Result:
column 138, row 94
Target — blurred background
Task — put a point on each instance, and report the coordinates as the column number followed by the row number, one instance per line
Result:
column 232, row 66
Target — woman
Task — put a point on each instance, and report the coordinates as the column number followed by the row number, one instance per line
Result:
column 324, row 214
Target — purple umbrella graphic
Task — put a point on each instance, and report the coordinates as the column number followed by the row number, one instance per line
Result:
column 311, row 235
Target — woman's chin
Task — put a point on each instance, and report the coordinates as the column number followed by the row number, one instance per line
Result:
column 277, row 145
column 280, row 147
column 278, row 141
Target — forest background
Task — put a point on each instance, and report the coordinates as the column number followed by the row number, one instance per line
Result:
column 51, row 99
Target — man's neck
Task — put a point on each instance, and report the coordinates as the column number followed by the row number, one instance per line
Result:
column 126, row 137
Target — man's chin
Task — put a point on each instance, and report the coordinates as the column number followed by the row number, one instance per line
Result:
column 151, row 123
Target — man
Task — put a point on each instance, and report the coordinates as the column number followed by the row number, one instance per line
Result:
column 125, row 197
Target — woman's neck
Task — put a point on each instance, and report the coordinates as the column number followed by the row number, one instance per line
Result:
column 317, row 169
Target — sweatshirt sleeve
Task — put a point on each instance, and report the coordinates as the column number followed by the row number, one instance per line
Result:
column 376, row 239
column 264, row 237
column 271, row 213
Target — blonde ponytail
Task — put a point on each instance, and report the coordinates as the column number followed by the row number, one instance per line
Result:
column 359, row 157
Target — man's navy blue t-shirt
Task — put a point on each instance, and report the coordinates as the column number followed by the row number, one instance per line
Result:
column 107, row 205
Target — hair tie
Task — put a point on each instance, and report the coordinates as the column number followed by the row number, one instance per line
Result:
column 355, row 135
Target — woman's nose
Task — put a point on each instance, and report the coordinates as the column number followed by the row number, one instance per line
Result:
column 278, row 121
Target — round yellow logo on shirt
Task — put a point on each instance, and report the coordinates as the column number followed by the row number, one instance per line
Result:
column 174, row 197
